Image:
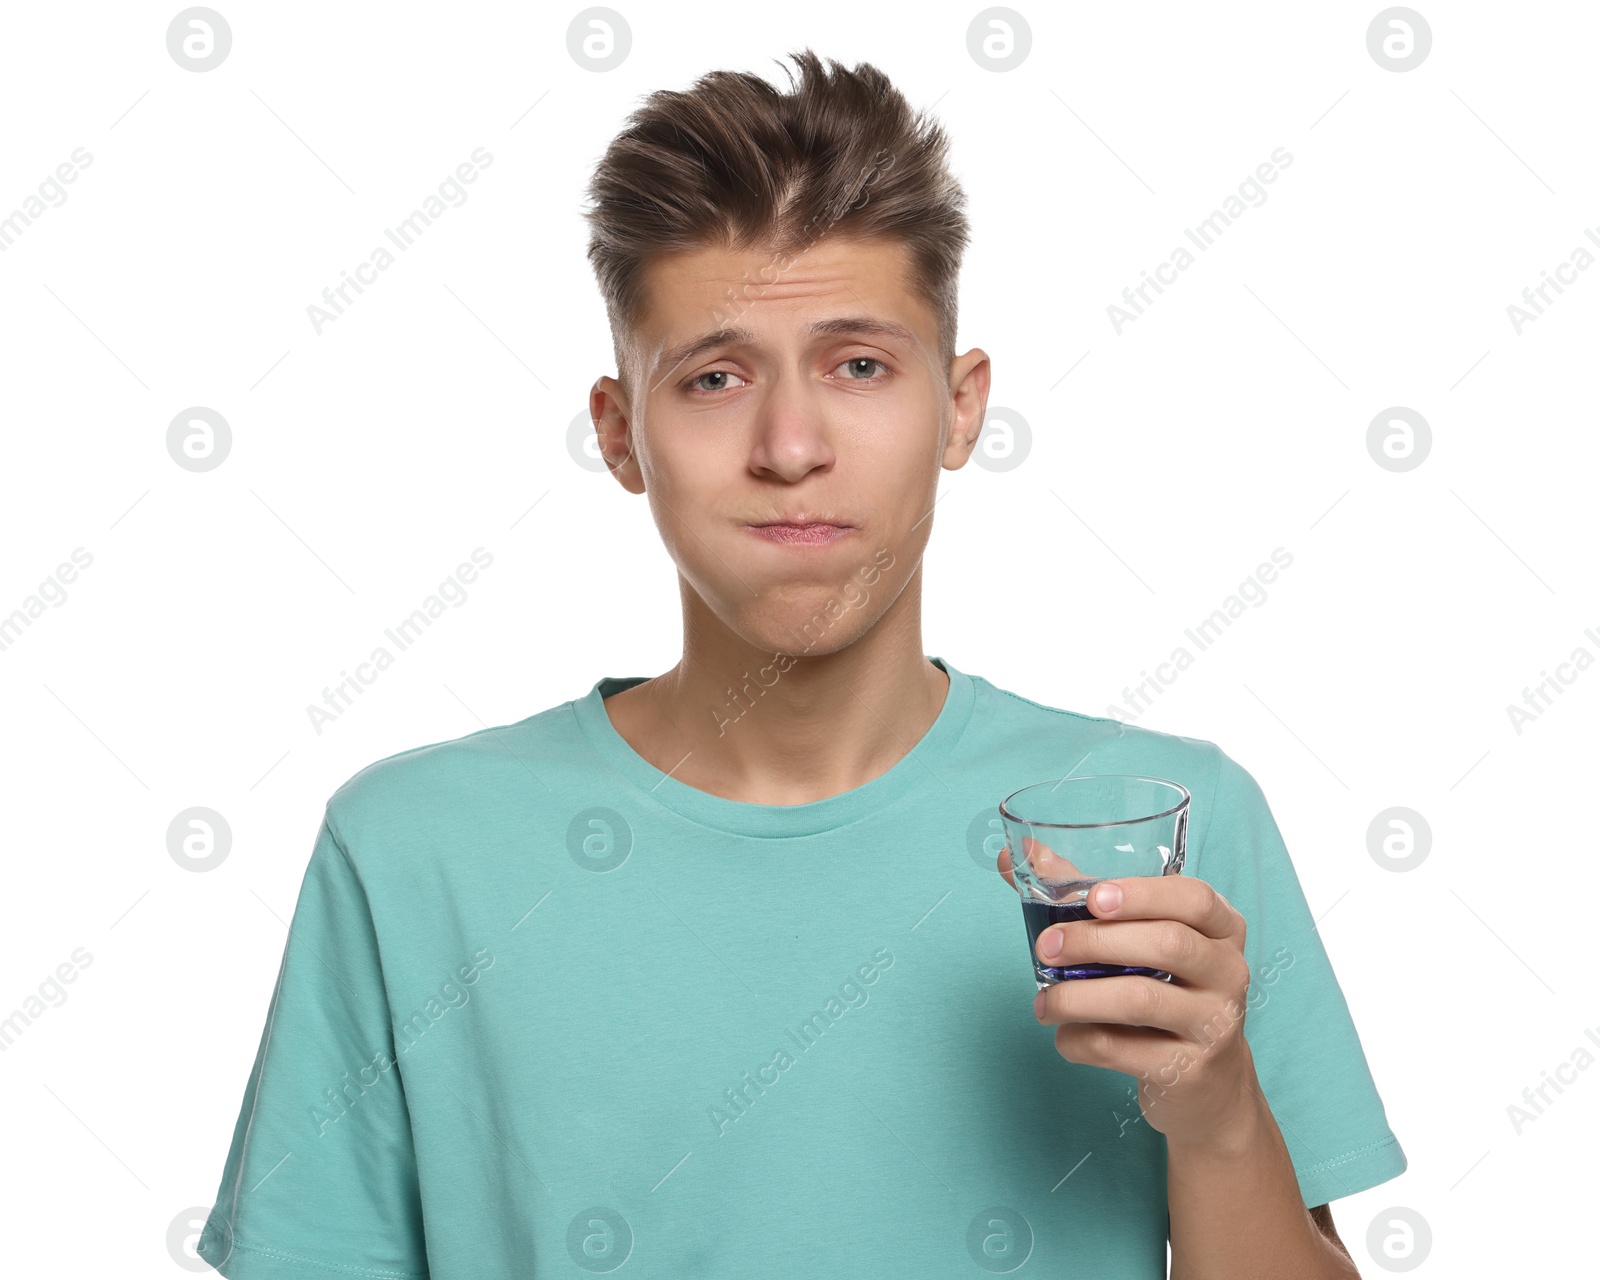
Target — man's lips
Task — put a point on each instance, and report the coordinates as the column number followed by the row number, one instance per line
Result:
column 813, row 533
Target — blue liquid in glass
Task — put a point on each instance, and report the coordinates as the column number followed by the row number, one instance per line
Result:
column 1039, row 916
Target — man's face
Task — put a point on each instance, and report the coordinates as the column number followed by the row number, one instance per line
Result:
column 807, row 390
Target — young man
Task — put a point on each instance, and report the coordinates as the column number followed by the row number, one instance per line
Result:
column 711, row 972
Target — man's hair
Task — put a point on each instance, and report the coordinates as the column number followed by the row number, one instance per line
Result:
column 735, row 164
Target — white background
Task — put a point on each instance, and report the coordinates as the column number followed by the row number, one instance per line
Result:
column 1166, row 463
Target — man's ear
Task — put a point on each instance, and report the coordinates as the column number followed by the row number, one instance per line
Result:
column 608, row 410
column 969, row 383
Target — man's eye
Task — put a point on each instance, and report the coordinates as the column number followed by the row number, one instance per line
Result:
column 694, row 383
column 859, row 360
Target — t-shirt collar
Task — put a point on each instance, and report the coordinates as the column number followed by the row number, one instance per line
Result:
column 919, row 767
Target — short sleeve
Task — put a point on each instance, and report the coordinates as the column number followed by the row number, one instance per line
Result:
column 1308, row 1057
column 321, row 1176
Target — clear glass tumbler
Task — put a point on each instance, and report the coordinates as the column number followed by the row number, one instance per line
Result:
column 1068, row 835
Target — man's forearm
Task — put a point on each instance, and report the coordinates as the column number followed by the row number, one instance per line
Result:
column 1236, row 1211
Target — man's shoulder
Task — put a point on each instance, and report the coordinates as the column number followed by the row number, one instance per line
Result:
column 438, row 780
column 1034, row 740
column 1106, row 739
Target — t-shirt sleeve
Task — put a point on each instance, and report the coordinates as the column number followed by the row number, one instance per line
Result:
column 1308, row 1057
column 321, row 1177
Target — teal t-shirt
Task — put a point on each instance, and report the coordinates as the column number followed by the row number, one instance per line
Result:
column 545, row 1010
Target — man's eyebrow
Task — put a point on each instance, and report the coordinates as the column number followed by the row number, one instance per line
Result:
column 737, row 335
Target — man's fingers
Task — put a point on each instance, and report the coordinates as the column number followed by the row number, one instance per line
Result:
column 1003, row 865
column 1175, row 897
column 1042, row 862
column 1045, row 863
column 1169, row 945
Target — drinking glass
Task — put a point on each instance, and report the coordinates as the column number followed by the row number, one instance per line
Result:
column 1068, row 835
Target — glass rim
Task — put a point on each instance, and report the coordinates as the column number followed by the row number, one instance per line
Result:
column 1184, row 798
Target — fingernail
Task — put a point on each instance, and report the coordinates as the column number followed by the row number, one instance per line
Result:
column 1108, row 897
column 1050, row 944
column 1038, row 1005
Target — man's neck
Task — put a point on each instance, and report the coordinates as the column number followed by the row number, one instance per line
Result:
column 731, row 721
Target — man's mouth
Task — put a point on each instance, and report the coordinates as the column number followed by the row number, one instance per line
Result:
column 805, row 534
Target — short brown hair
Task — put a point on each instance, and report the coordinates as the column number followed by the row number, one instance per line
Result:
column 734, row 163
